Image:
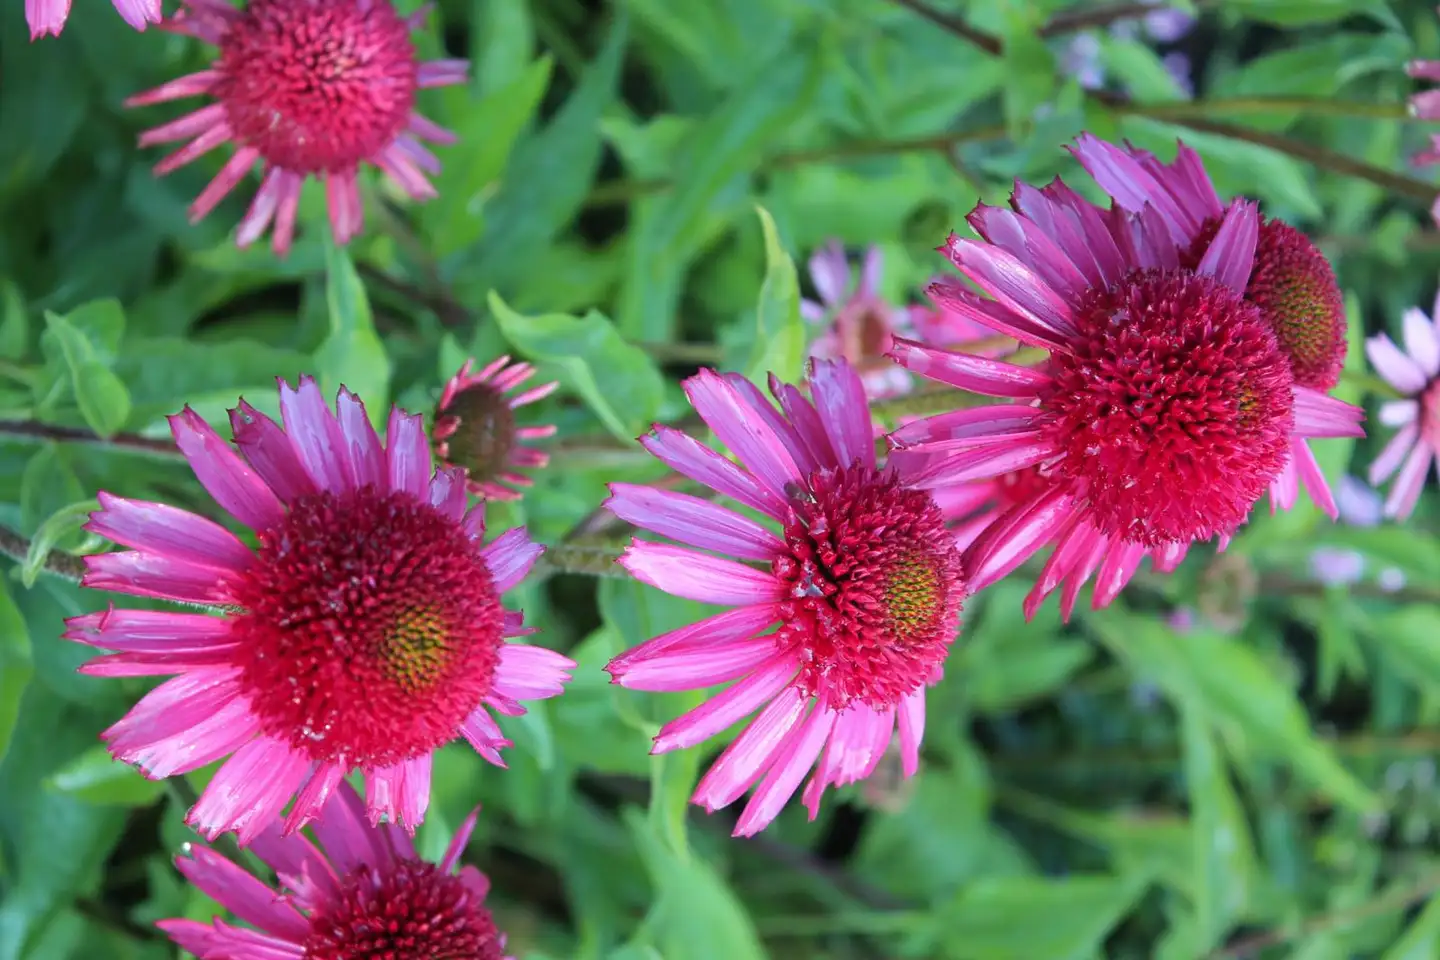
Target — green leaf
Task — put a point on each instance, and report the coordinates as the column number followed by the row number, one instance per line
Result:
column 672, row 780
column 56, row 529
column 1031, row 77
column 779, row 332
column 102, row 398
column 352, row 355
column 1295, row 13
column 16, row 665
column 166, row 373
column 695, row 915
column 1421, row 939
column 1220, row 836
column 489, row 131
column 47, row 485
column 718, row 151
column 1408, row 638
column 14, row 322
column 619, row 381
column 97, row 777
column 1025, row 918
column 1236, row 691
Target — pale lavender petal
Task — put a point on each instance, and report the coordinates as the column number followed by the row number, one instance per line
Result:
column 510, row 557
column 830, row 272
column 1422, row 342
column 1360, row 504
column 528, row 672
column 1394, row 453
column 699, row 576
column 1405, row 492
column 1402, row 373
column 693, row 521
column 1397, row 413
column 233, row 483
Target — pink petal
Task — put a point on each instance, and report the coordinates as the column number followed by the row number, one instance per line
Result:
column 830, row 272
column 1313, row 478
column 840, row 402
column 1012, row 283
column 1015, row 537
column 729, row 706
column 691, row 458
column 698, row 667
column 270, row 452
column 742, row 429
column 699, row 576
column 249, row 790
column 447, row 493
column 168, row 531
column 1231, row 255
column 983, row 462
column 742, row 622
column 242, row 894
column 218, row 939
column 801, row 752
column 860, row 738
column 458, row 842
column 694, row 521
column 407, row 454
column 809, row 428
column 363, row 451
column 314, row 795
column 204, row 739
column 749, row 755
column 1405, row 492
column 224, row 475
column 912, row 730
column 148, row 631
column 1321, row 415
column 482, row 733
column 1393, row 454
column 1398, row 369
column 510, row 557
column 528, row 672
column 316, row 435
column 959, row 430
column 149, row 575
column 344, row 833
column 1115, row 572
column 968, row 372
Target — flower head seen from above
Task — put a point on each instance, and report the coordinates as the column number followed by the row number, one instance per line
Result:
column 1163, row 413
column 364, row 633
column 862, row 323
column 856, row 569
column 475, row 427
column 303, row 88
column 47, row 17
column 360, row 892
column 1291, row 282
column 1415, row 373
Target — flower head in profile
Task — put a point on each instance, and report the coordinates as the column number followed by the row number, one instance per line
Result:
column 861, row 323
column 304, row 88
column 47, row 17
column 475, row 427
column 365, row 632
column 358, row 892
column 1426, row 105
column 1291, row 281
column 844, row 604
column 1164, row 411
column 1415, row 373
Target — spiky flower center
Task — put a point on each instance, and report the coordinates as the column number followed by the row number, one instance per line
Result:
column 405, row 911
column 369, row 628
column 1173, row 408
column 1294, row 286
column 876, row 587
column 316, row 86
column 484, row 431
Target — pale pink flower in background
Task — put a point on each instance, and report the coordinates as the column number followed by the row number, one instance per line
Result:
column 365, row 632
column 475, row 427
column 1415, row 373
column 303, row 88
column 359, row 891
column 844, row 605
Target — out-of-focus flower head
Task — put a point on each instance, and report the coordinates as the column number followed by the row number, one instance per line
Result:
column 475, row 428
column 1415, row 373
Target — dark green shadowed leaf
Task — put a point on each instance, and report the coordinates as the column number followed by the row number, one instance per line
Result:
column 16, row 666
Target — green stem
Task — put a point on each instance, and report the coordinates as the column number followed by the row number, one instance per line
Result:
column 57, row 564
column 126, row 442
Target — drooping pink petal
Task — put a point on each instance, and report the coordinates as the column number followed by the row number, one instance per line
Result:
column 693, row 521
column 510, row 557
column 698, row 667
column 344, row 831
column 482, row 732
column 784, row 777
column 324, row 780
column 225, row 476
column 742, row 622
column 729, row 706
column 150, row 575
column 220, row 939
column 912, row 730
column 750, row 754
column 968, row 372
column 147, row 631
column 249, row 790
column 407, row 453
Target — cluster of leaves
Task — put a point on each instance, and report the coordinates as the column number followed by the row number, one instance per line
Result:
column 1256, row 785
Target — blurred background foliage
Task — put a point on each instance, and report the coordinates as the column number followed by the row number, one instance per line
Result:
column 1234, row 761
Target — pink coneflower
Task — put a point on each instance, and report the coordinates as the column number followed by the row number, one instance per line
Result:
column 475, row 427
column 1165, row 409
column 305, row 88
column 47, row 17
column 1426, row 105
column 361, row 893
column 862, row 322
column 364, row 633
column 859, row 573
column 1415, row 372
column 1291, row 282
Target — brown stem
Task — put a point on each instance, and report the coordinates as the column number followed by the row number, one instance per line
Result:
column 987, row 42
column 1285, row 585
column 123, row 441
column 57, row 563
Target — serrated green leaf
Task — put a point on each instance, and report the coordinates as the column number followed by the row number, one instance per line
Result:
column 619, row 381
column 97, row 777
column 779, row 331
column 16, row 665
column 352, row 355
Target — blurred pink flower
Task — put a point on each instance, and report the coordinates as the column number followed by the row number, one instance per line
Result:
column 475, row 427
column 863, row 581
column 364, row 633
column 361, row 892
column 1415, row 373
column 47, row 17
column 1426, row 106
column 304, row 88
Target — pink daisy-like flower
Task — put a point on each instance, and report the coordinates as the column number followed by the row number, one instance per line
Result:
column 1291, row 282
column 862, row 323
column 1415, row 372
column 47, row 17
column 1166, row 407
column 364, row 633
column 304, row 88
column 361, row 892
column 475, row 427
column 1426, row 105
column 856, row 569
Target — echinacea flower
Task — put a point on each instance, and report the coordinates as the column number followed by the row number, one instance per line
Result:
column 1426, row 106
column 1291, row 282
column 1415, row 372
column 1166, row 407
column 475, row 427
column 364, row 633
column 862, row 323
column 303, row 88
column 358, row 892
column 47, row 17
column 844, row 608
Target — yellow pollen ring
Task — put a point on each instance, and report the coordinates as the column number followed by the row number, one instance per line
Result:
column 415, row 650
column 913, row 595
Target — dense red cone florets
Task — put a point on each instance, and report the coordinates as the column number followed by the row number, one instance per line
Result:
column 409, row 912
column 1173, row 408
column 370, row 628
column 1295, row 288
column 876, row 587
column 317, row 85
